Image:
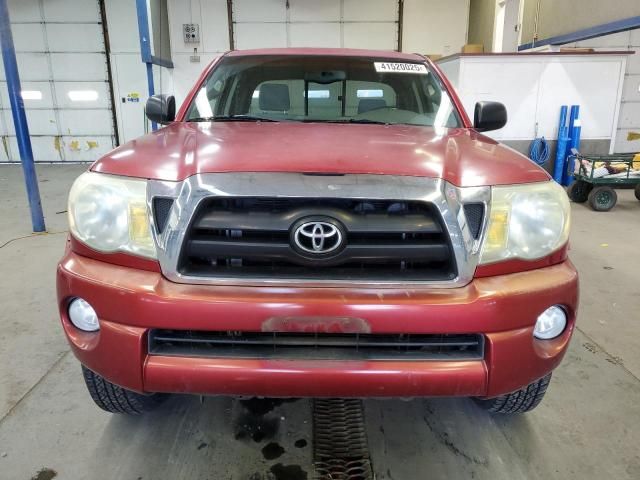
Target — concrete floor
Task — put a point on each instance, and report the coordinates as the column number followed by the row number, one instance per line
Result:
column 587, row 427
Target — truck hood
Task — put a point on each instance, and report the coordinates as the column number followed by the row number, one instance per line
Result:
column 462, row 157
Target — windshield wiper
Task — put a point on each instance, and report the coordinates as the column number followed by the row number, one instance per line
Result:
column 231, row 118
column 353, row 120
column 250, row 118
column 365, row 120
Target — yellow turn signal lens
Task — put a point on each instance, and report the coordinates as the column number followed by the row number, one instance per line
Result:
column 498, row 232
column 139, row 231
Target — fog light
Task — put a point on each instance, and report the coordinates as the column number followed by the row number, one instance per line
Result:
column 83, row 316
column 551, row 323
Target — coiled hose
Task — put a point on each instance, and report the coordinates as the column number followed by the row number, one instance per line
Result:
column 539, row 151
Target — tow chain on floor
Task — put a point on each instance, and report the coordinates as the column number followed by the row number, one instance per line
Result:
column 340, row 450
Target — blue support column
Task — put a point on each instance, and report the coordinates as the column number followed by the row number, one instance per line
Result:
column 617, row 26
column 145, row 46
column 145, row 49
column 151, row 88
column 20, row 118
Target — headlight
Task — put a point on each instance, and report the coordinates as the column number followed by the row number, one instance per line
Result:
column 109, row 214
column 527, row 221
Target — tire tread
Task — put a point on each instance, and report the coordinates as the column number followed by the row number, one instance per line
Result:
column 115, row 399
column 579, row 191
column 520, row 401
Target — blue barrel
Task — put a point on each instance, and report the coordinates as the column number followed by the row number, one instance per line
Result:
column 574, row 144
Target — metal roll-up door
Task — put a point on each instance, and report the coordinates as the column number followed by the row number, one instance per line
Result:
column 308, row 23
column 62, row 61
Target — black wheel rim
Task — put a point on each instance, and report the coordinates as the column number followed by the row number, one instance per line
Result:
column 603, row 199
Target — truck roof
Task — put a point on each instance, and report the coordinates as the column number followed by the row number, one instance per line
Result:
column 338, row 52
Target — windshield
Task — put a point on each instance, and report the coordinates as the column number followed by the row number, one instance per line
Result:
column 323, row 89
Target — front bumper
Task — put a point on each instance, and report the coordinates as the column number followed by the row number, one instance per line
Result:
column 129, row 302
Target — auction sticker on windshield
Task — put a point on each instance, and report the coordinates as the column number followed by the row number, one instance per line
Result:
column 386, row 67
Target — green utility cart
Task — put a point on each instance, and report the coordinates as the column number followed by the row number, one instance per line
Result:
column 596, row 184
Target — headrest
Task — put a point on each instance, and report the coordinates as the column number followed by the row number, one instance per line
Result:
column 367, row 104
column 274, row 97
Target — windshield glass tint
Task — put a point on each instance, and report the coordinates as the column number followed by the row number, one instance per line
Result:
column 323, row 89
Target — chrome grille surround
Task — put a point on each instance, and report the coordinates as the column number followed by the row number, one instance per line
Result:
column 447, row 198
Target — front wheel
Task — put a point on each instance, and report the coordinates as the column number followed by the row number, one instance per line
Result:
column 637, row 191
column 521, row 401
column 578, row 191
column 115, row 399
column 603, row 199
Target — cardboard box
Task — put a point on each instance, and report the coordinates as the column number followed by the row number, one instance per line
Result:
column 473, row 48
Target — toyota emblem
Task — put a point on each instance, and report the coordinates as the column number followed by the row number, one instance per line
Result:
column 317, row 237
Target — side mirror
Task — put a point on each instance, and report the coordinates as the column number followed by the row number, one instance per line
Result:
column 161, row 109
column 489, row 116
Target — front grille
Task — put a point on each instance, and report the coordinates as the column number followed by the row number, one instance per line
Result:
column 252, row 238
column 317, row 346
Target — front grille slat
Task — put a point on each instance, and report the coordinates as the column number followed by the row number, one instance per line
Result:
column 255, row 250
column 281, row 221
column 327, row 341
column 215, row 248
column 320, row 346
column 252, row 237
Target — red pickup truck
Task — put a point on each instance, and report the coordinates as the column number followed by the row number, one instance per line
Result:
column 318, row 223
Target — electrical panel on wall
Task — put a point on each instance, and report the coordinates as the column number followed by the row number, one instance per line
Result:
column 191, row 32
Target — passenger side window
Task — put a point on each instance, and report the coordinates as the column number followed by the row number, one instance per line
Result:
column 203, row 105
column 438, row 105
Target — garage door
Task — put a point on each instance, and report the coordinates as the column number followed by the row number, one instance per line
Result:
column 64, row 77
column 312, row 23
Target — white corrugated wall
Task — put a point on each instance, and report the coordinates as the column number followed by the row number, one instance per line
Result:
column 629, row 118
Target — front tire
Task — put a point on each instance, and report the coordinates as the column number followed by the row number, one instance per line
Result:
column 521, row 401
column 578, row 191
column 603, row 199
column 637, row 191
column 115, row 399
